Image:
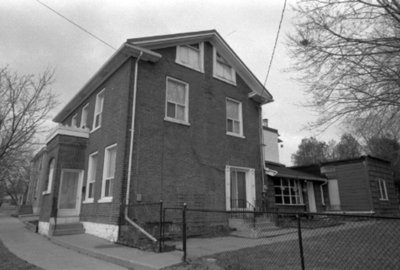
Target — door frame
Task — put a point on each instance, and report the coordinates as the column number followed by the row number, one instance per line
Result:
column 250, row 186
column 312, row 206
column 77, row 210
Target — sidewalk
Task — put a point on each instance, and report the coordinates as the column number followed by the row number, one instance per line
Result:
column 57, row 253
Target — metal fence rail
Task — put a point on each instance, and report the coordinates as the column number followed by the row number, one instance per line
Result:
column 273, row 239
column 286, row 240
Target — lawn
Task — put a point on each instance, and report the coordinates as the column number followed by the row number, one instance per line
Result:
column 376, row 246
column 9, row 261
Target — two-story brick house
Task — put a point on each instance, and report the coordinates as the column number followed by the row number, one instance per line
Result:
column 174, row 118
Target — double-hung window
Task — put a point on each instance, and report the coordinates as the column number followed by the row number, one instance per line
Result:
column 222, row 70
column 176, row 105
column 234, row 120
column 84, row 117
column 382, row 190
column 288, row 191
column 110, row 157
column 191, row 55
column 91, row 178
column 98, row 110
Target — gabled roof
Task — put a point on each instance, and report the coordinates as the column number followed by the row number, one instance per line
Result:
column 133, row 47
column 259, row 92
column 108, row 68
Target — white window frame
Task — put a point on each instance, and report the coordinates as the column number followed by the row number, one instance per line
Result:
column 298, row 192
column 232, row 79
column 50, row 176
column 74, row 121
column 240, row 134
column 103, row 183
column 98, row 110
column 90, row 179
column 250, row 185
column 383, row 195
column 171, row 119
column 84, row 116
column 200, row 51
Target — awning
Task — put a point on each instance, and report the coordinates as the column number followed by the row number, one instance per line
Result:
column 276, row 170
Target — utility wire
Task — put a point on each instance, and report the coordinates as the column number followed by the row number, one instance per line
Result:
column 77, row 25
column 276, row 42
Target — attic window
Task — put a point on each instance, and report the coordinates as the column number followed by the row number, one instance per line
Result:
column 222, row 70
column 191, row 56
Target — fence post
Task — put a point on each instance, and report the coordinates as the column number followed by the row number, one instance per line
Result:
column 184, row 231
column 300, row 241
column 161, row 226
column 254, row 217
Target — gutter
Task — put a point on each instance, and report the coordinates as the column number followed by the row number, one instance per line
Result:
column 129, row 178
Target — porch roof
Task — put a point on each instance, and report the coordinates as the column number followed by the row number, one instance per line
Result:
column 279, row 170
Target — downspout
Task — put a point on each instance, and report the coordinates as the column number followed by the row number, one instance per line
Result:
column 128, row 185
column 322, row 192
column 262, row 154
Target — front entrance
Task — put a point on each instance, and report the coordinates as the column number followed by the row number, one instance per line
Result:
column 240, row 188
column 69, row 199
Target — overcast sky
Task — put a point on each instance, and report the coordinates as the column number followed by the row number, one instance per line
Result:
column 33, row 38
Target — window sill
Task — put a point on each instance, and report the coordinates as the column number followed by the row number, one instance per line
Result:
column 225, row 80
column 105, row 200
column 190, row 67
column 384, row 200
column 280, row 204
column 235, row 135
column 88, row 201
column 93, row 130
column 177, row 121
column 46, row 192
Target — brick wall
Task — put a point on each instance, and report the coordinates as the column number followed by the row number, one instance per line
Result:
column 113, row 130
column 178, row 163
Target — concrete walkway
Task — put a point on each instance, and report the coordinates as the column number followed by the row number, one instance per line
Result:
column 39, row 251
column 69, row 252
column 121, row 255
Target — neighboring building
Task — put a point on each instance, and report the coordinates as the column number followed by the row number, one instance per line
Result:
column 361, row 185
column 271, row 143
column 293, row 191
column 174, row 118
column 36, row 173
column 285, row 189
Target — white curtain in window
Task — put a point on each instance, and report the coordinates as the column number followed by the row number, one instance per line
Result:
column 232, row 110
column 112, row 154
column 176, row 93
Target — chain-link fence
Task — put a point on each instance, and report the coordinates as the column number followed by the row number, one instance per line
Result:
column 245, row 239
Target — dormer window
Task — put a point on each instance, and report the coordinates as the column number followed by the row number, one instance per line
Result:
column 222, row 70
column 191, row 56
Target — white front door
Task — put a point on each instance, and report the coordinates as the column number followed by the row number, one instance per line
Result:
column 311, row 197
column 69, row 199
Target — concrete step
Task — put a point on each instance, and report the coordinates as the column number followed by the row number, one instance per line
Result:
column 68, row 229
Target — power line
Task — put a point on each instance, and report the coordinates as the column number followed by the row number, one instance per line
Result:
column 276, row 42
column 77, row 25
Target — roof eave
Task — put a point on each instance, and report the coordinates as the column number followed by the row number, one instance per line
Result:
column 113, row 63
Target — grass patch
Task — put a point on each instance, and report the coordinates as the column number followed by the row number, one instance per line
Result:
column 9, row 261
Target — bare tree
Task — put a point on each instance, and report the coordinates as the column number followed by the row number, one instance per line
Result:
column 24, row 104
column 348, row 55
column 25, row 101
